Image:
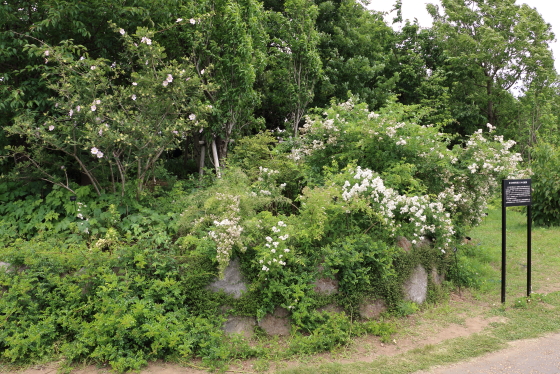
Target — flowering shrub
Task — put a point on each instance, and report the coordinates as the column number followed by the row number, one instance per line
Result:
column 105, row 119
column 410, row 174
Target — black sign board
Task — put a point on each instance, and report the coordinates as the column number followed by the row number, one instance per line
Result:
column 516, row 192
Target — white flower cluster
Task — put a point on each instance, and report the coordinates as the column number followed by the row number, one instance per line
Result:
column 167, row 80
column 265, row 173
column 226, row 231
column 274, row 253
column 96, row 152
column 318, row 134
column 424, row 217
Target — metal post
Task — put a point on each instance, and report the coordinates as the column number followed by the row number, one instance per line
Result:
column 503, row 253
column 529, row 221
column 503, row 244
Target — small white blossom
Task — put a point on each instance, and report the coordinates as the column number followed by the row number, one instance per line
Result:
column 93, row 108
column 192, row 117
column 192, row 21
column 134, row 84
column 93, row 67
column 51, row 128
column 169, row 78
column 179, row 20
column 94, row 150
column 133, row 97
column 122, row 31
column 99, row 154
column 165, row 83
column 47, row 53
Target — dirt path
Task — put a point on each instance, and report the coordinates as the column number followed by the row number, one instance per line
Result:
column 540, row 356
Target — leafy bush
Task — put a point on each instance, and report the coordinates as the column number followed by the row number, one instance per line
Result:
column 546, row 185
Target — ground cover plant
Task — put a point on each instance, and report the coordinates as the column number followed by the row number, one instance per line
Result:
column 121, row 278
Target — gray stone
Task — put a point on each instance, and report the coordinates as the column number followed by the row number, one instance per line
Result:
column 416, row 287
column 372, row 308
column 240, row 325
column 233, row 283
column 404, row 243
column 326, row 286
column 276, row 323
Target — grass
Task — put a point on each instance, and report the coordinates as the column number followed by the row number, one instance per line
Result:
column 518, row 318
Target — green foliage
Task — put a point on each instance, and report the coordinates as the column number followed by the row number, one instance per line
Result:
column 356, row 260
column 335, row 330
column 546, row 185
column 470, row 267
column 123, row 308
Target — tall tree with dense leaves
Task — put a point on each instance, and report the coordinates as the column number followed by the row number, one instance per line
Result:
column 294, row 64
column 355, row 47
column 495, row 46
column 225, row 41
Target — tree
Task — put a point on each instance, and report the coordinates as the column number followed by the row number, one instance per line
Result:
column 355, row 48
column 497, row 44
column 293, row 65
column 52, row 22
column 108, row 122
column 225, row 41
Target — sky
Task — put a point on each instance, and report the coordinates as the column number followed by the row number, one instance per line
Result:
column 549, row 10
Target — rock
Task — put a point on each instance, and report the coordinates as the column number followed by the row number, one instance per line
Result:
column 404, row 243
column 423, row 243
column 436, row 277
column 326, row 286
column 240, row 325
column 233, row 283
column 331, row 308
column 276, row 323
column 416, row 287
column 372, row 308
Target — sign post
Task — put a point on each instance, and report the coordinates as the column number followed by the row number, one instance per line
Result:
column 516, row 192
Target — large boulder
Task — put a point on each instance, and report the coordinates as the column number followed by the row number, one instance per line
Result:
column 240, row 325
column 416, row 287
column 326, row 286
column 233, row 282
column 276, row 323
